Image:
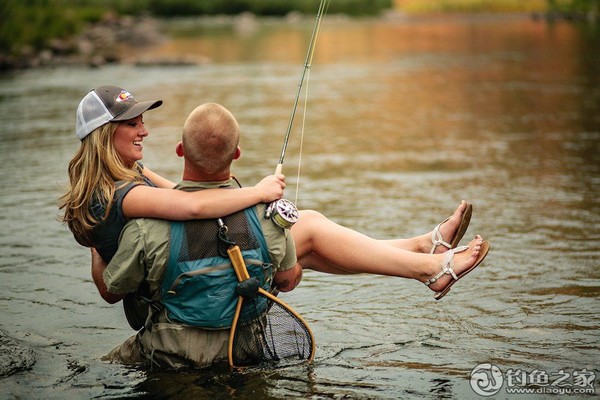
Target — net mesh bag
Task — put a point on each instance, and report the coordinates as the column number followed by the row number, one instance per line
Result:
column 275, row 337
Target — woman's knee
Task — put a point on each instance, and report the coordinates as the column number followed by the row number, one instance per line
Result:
column 311, row 215
column 308, row 224
column 305, row 230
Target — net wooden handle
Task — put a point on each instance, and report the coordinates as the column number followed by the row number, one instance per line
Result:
column 236, row 317
column 239, row 266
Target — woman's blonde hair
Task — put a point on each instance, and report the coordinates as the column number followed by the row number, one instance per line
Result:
column 93, row 173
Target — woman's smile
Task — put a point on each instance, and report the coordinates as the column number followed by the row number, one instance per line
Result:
column 128, row 140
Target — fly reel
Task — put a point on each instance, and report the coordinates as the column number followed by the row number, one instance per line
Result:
column 283, row 213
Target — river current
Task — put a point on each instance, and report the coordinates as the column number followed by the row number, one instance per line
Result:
column 405, row 117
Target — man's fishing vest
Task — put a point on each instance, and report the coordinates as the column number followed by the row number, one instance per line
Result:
column 199, row 284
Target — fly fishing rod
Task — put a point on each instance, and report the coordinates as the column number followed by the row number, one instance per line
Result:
column 323, row 5
column 284, row 213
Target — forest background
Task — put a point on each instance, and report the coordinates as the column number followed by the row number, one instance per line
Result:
column 30, row 28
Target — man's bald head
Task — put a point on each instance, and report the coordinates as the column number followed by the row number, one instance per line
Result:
column 210, row 138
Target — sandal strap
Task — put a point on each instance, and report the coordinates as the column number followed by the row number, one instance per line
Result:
column 447, row 265
column 437, row 239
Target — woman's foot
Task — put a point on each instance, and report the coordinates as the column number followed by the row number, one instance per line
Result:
column 448, row 234
column 455, row 264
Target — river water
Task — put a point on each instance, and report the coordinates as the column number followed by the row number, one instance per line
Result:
column 405, row 117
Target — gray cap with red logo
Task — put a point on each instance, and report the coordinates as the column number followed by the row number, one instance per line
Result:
column 108, row 104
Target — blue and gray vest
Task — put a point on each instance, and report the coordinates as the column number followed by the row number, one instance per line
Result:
column 199, row 284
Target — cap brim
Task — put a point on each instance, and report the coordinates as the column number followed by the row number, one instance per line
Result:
column 137, row 109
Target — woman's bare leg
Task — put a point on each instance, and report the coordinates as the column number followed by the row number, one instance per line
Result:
column 325, row 246
column 316, row 263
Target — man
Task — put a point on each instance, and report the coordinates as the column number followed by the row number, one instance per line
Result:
column 209, row 146
column 150, row 251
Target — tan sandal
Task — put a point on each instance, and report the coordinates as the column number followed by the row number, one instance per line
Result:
column 438, row 240
column 448, row 267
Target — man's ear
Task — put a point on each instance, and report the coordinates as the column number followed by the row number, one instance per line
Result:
column 238, row 153
column 179, row 149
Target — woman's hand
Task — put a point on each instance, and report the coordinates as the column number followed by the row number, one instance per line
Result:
column 98, row 267
column 271, row 187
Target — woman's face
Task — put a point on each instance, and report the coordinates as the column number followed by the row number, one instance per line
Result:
column 128, row 139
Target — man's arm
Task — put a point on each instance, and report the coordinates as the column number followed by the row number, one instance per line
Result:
column 98, row 267
column 287, row 280
column 283, row 256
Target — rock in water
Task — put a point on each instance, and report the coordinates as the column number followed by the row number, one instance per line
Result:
column 14, row 357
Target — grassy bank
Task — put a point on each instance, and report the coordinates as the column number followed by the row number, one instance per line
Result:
column 29, row 25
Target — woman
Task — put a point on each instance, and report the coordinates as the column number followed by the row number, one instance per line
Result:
column 116, row 187
column 108, row 184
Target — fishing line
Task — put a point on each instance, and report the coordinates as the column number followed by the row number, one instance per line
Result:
column 302, row 138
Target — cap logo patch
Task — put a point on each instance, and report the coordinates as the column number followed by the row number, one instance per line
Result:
column 124, row 96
